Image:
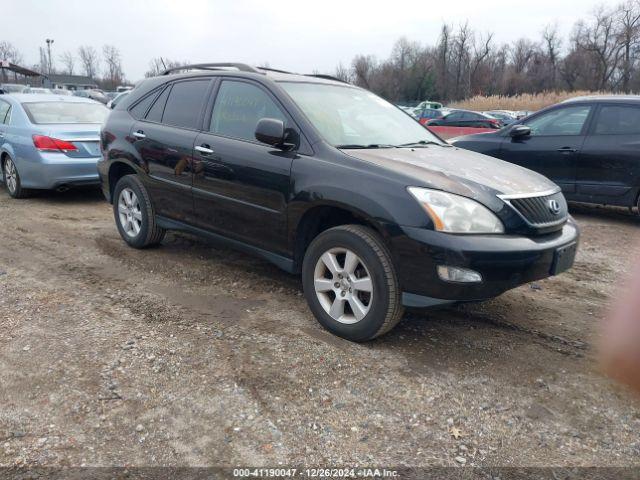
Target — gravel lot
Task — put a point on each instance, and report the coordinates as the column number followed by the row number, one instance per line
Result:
column 192, row 355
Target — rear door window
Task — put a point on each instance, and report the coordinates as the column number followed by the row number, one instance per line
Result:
column 618, row 120
column 185, row 103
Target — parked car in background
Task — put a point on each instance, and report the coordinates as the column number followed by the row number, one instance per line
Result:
column 427, row 114
column 48, row 141
column 590, row 146
column 38, row 91
column 61, row 91
column 462, row 122
column 429, row 104
column 114, row 101
column 12, row 88
column 523, row 114
column 332, row 182
column 96, row 95
column 505, row 117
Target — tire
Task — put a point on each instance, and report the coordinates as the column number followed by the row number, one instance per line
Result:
column 134, row 214
column 638, row 205
column 11, row 179
column 357, row 303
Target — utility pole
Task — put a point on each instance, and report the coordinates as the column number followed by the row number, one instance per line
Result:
column 49, row 42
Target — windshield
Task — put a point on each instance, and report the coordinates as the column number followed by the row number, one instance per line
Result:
column 65, row 112
column 351, row 117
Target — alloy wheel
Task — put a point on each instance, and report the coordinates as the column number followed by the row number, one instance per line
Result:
column 10, row 175
column 343, row 285
column 129, row 212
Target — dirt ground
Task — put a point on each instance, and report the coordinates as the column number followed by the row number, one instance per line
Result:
column 193, row 355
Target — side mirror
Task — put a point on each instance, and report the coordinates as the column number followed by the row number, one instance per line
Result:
column 270, row 131
column 520, row 131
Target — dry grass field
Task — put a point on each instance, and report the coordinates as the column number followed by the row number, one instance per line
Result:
column 526, row 101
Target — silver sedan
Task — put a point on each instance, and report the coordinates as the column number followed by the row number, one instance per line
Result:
column 49, row 141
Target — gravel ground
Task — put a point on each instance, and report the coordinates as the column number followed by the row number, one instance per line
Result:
column 190, row 355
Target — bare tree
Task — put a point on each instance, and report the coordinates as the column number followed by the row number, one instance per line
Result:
column 628, row 38
column 113, row 66
column 343, row 73
column 552, row 45
column 68, row 62
column 10, row 53
column 363, row 67
column 157, row 65
column 88, row 60
column 601, row 40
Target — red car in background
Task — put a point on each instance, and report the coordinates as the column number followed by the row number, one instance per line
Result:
column 427, row 114
column 463, row 122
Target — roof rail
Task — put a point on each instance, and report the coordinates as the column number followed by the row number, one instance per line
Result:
column 212, row 66
column 269, row 69
column 326, row 77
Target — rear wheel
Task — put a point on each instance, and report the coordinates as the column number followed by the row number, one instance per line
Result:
column 12, row 179
column 350, row 283
column 134, row 214
column 638, row 205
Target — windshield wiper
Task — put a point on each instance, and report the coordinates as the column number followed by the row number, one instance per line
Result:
column 371, row 145
column 420, row 143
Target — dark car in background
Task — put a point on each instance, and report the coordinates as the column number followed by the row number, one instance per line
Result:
column 505, row 117
column 462, row 122
column 468, row 119
column 590, row 146
column 330, row 181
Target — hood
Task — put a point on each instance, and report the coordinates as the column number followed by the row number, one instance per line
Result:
column 458, row 171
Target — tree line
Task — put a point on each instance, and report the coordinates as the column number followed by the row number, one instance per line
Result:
column 601, row 54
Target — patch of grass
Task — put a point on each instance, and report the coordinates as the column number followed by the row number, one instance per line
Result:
column 525, row 101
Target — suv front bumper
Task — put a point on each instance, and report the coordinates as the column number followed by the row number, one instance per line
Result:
column 503, row 261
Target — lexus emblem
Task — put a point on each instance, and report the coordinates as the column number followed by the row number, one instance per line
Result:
column 554, row 207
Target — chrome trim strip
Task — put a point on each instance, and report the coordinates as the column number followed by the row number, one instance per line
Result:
column 81, row 139
column 530, row 195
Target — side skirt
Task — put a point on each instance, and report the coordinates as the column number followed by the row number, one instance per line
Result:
column 284, row 263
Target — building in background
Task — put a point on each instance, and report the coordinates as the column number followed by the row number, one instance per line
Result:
column 12, row 73
column 69, row 82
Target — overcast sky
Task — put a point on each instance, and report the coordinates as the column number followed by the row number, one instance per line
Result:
column 296, row 35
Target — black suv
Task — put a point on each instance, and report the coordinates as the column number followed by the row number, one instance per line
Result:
column 590, row 146
column 328, row 180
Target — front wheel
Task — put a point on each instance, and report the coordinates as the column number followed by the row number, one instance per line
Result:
column 350, row 283
column 134, row 214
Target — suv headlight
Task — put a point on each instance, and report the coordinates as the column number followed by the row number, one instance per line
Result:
column 455, row 214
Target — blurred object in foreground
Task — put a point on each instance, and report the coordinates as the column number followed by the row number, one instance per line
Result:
column 620, row 348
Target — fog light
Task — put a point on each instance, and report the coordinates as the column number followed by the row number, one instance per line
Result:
column 457, row 274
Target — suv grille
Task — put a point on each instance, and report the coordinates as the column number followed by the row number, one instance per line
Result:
column 540, row 212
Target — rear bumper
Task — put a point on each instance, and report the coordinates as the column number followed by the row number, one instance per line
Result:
column 504, row 262
column 53, row 170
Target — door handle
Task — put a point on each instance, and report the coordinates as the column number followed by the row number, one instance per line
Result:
column 204, row 149
column 139, row 134
column 567, row 150
column 1, row 135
